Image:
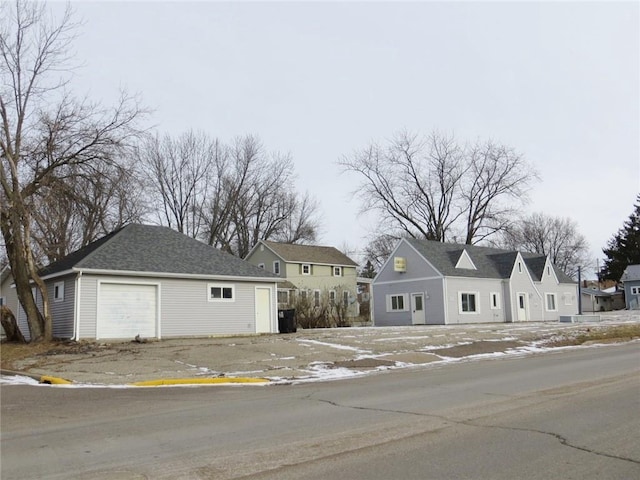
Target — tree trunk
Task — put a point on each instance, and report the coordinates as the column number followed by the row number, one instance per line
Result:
column 12, row 233
column 10, row 325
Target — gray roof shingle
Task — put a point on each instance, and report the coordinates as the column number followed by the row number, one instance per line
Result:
column 489, row 262
column 631, row 273
column 155, row 249
column 309, row 254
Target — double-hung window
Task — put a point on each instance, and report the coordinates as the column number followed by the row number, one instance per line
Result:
column 397, row 302
column 468, row 302
column 337, row 271
column 551, row 302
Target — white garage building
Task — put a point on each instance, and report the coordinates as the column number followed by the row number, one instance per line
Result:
column 157, row 283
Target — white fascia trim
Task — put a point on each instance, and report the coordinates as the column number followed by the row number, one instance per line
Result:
column 408, row 280
column 60, row 274
column 465, row 254
column 526, row 269
column 190, row 276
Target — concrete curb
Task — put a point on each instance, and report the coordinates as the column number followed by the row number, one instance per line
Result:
column 50, row 380
column 39, row 378
column 198, row 381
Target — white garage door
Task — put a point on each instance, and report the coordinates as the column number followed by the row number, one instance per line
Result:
column 127, row 310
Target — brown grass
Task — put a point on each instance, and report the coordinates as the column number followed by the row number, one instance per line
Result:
column 621, row 333
column 10, row 353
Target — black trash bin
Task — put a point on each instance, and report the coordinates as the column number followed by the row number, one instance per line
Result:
column 287, row 320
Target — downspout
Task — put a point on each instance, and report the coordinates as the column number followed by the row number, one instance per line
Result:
column 76, row 326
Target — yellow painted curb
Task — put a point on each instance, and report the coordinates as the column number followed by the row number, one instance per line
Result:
column 198, row 381
column 54, row 380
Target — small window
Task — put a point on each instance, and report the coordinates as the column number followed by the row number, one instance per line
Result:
column 396, row 303
column 551, row 302
column 261, row 265
column 316, row 298
column 548, row 270
column 332, row 297
column 519, row 267
column 337, row 271
column 306, row 269
column 468, row 303
column 635, row 290
column 276, row 267
column 221, row 293
column 58, row 292
column 345, row 299
column 283, row 296
column 495, row 301
column 3, row 301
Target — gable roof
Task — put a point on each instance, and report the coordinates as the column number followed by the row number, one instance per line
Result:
column 631, row 273
column 309, row 254
column 489, row 262
column 154, row 249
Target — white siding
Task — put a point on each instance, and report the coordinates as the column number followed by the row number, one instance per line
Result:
column 482, row 288
column 185, row 309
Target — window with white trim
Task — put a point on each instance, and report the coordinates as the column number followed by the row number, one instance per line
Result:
column 276, row 267
column 306, row 269
column 397, row 303
column 337, row 271
column 283, row 296
column 468, row 302
column 345, row 298
column 332, row 297
column 58, row 291
column 495, row 301
column 316, row 298
column 220, row 292
column 635, row 290
column 551, row 302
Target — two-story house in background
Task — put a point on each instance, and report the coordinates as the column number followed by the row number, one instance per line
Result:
column 309, row 270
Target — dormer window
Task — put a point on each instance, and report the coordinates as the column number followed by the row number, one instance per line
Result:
column 465, row 261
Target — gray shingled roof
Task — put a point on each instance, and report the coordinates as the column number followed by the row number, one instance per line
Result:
column 489, row 262
column 632, row 272
column 154, row 249
column 310, row 254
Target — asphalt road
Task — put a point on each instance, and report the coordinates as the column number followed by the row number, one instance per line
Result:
column 568, row 414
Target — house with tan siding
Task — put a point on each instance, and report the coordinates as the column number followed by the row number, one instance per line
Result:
column 308, row 270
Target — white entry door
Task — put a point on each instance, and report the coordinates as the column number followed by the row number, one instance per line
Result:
column 263, row 310
column 127, row 310
column 522, row 307
column 417, row 309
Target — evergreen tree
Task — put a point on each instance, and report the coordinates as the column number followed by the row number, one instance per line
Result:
column 624, row 248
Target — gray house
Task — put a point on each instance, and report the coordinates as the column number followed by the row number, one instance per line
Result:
column 154, row 282
column 426, row 282
column 631, row 280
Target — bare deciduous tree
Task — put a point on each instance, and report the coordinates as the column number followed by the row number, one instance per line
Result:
column 179, row 171
column 433, row 188
column 47, row 135
column 556, row 237
column 228, row 196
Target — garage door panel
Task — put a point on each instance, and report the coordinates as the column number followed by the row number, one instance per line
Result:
column 127, row 310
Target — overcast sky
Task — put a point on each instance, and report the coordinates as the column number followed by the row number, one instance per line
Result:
column 558, row 82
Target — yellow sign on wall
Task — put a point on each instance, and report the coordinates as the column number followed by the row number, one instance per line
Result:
column 399, row 264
